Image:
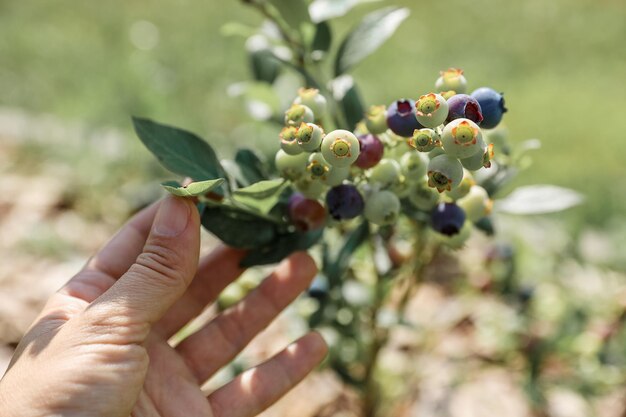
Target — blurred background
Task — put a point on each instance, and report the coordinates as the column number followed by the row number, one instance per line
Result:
column 71, row 169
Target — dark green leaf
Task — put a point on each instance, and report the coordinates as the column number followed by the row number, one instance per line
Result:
column 238, row 227
column 486, row 226
column 179, row 151
column 281, row 247
column 368, row 36
column 295, row 12
column 352, row 105
column 263, row 66
column 262, row 196
column 251, row 167
column 194, row 189
column 335, row 268
column 323, row 37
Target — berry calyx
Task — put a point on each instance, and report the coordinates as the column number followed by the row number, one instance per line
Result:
column 288, row 142
column 298, row 114
column 309, row 136
column 424, row 140
column 344, row 202
column 340, row 148
column 318, row 168
column 447, row 218
column 431, row 110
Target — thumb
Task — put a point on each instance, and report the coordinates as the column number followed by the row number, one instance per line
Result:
column 164, row 269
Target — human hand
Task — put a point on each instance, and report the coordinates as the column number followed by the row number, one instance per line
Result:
column 100, row 345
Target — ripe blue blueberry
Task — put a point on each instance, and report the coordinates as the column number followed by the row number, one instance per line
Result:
column 340, row 148
column 401, row 118
column 462, row 106
column 382, row 208
column 492, row 106
column 371, row 153
column 447, row 218
column 431, row 110
column 344, row 202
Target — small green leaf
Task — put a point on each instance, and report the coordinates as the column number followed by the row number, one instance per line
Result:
column 238, row 227
column 251, row 167
column 263, row 66
column 262, row 196
column 179, row 151
column 335, row 268
column 539, row 199
column 295, row 12
column 323, row 38
column 368, row 36
column 349, row 98
column 321, row 10
column 281, row 247
column 194, row 189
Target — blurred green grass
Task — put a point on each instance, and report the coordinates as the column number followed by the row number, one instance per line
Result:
column 561, row 64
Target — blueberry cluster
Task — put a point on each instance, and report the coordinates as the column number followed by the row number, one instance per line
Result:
column 413, row 154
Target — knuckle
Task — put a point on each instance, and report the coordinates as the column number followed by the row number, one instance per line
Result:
column 162, row 262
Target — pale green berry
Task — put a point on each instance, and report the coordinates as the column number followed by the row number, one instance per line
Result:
column 312, row 98
column 476, row 203
column 337, row 175
column 288, row 141
column 462, row 138
column 340, row 148
column 312, row 189
column 480, row 160
column 431, row 110
column 401, row 188
column 309, row 136
column 463, row 188
column 436, row 152
column 291, row 167
column 298, row 114
column 382, row 208
column 452, row 79
column 376, row 120
column 414, row 165
column 423, row 197
column 444, row 173
column 424, row 140
column 386, row 173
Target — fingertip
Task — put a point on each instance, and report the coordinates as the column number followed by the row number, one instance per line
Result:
column 303, row 264
column 316, row 344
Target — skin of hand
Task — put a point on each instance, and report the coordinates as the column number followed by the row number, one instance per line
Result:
column 100, row 345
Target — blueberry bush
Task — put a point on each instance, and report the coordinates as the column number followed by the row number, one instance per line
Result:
column 377, row 191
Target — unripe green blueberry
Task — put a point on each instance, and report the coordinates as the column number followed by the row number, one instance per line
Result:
column 444, row 173
column 431, row 110
column 423, row 197
column 317, row 167
column 382, row 208
column 414, row 165
column 298, row 114
column 288, row 141
column 386, row 173
column 499, row 136
column 452, row 79
column 401, row 188
column 337, row 175
column 463, row 188
column 376, row 120
column 462, row 138
column 436, row 152
column 476, row 203
column 424, row 140
column 479, row 160
column 309, row 136
column 340, row 148
column 312, row 98
column 312, row 189
column 291, row 167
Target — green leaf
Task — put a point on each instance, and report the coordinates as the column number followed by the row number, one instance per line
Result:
column 539, row 199
column 263, row 66
column 295, row 12
column 238, row 227
column 194, row 189
column 281, row 247
column 368, row 36
column 349, row 98
column 335, row 268
column 251, row 167
column 262, row 196
column 323, row 38
column 179, row 151
column 321, row 10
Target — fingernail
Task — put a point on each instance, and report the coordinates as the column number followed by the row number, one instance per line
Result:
column 172, row 217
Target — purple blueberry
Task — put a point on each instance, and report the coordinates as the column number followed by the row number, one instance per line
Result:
column 372, row 150
column 462, row 106
column 306, row 214
column 447, row 218
column 344, row 202
column 492, row 105
column 401, row 118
